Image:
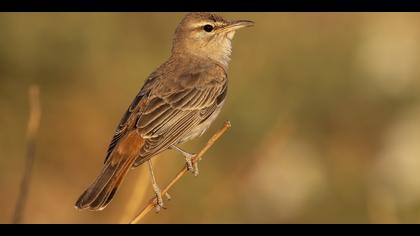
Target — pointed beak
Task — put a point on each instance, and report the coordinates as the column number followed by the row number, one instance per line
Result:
column 235, row 25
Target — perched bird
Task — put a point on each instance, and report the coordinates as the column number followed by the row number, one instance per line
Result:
column 177, row 103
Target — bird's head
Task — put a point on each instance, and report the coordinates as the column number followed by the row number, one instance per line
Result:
column 207, row 35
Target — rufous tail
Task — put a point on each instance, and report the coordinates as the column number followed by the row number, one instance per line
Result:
column 101, row 192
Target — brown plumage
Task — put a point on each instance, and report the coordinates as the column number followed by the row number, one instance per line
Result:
column 177, row 103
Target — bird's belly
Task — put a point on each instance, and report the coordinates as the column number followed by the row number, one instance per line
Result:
column 201, row 128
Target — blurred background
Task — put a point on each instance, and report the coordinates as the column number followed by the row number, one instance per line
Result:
column 325, row 112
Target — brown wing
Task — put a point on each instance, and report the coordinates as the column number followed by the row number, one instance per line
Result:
column 168, row 120
column 168, row 117
column 167, row 109
column 128, row 121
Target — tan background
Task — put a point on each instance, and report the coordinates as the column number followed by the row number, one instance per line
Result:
column 325, row 111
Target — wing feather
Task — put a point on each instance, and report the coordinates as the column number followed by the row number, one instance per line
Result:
column 184, row 114
column 165, row 111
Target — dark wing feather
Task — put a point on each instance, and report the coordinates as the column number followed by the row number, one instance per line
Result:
column 129, row 119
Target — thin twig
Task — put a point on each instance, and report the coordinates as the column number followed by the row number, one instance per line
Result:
column 32, row 129
column 182, row 172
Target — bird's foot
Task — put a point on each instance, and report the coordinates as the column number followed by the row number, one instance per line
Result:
column 158, row 199
column 193, row 167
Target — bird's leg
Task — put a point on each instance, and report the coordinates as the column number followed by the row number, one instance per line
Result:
column 156, row 189
column 193, row 167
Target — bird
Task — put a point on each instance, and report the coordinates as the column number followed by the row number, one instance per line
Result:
column 177, row 103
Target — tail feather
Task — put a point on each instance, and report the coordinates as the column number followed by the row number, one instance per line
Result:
column 101, row 192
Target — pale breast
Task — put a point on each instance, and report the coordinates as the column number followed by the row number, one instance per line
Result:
column 201, row 128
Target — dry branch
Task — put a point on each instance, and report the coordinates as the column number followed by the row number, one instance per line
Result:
column 182, row 172
column 32, row 129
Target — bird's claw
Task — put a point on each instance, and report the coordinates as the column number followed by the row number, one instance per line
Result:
column 158, row 199
column 193, row 167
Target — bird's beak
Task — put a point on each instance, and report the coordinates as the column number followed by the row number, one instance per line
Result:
column 235, row 25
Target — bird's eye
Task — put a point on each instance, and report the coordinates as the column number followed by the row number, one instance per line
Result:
column 208, row 28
